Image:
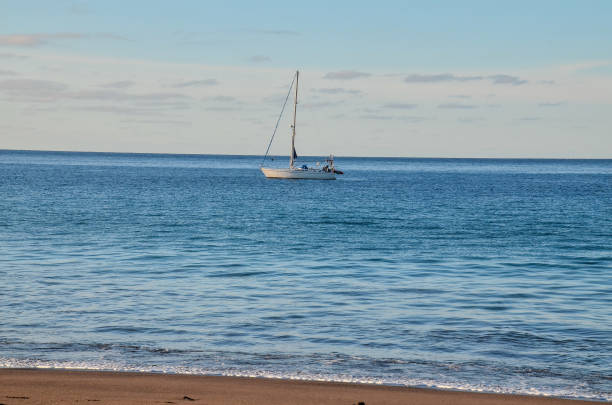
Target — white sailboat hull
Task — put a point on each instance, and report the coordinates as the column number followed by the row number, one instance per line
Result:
column 305, row 174
column 293, row 172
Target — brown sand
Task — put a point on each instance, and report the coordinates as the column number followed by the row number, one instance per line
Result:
column 25, row 387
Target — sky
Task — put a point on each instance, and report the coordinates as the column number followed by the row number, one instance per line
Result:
column 388, row 78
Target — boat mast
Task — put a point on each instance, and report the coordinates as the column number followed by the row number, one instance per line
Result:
column 297, row 78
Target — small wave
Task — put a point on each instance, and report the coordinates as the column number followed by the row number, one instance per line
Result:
column 408, row 290
column 135, row 329
column 573, row 392
column 231, row 265
column 340, row 222
column 236, row 274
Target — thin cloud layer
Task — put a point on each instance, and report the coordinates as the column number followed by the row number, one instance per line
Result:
column 320, row 104
column 222, row 108
column 400, row 106
column 277, row 32
column 376, row 117
column 557, row 104
column 12, row 56
column 507, row 79
column 43, row 91
column 31, row 84
column 338, row 90
column 197, row 83
column 437, row 78
column 111, row 95
column 30, row 40
column 457, row 106
column 223, row 103
column 123, row 84
column 449, row 77
column 469, row 120
column 224, row 99
column 274, row 99
column 80, row 9
column 391, row 112
column 121, row 110
column 181, row 123
column 35, row 39
column 346, row 75
column 259, row 59
column 32, row 90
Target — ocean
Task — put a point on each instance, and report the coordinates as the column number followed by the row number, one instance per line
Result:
column 471, row 274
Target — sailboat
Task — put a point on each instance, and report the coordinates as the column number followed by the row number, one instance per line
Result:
column 327, row 172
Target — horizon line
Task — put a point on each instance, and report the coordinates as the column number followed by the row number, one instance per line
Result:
column 336, row 156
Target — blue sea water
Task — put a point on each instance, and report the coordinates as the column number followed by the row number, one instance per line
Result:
column 473, row 274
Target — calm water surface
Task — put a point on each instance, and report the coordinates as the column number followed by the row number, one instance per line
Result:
column 491, row 275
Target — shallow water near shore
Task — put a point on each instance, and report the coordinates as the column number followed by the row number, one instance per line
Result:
column 477, row 274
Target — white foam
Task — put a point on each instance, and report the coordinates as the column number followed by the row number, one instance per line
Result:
column 524, row 389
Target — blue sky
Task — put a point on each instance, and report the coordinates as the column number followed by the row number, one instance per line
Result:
column 443, row 78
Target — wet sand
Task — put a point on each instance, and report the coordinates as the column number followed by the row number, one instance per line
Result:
column 25, row 386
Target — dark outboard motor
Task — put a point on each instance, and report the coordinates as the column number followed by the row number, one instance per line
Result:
column 331, row 168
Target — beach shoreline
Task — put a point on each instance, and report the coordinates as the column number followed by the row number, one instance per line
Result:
column 57, row 386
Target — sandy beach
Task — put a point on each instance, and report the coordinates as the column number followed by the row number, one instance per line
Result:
column 28, row 386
